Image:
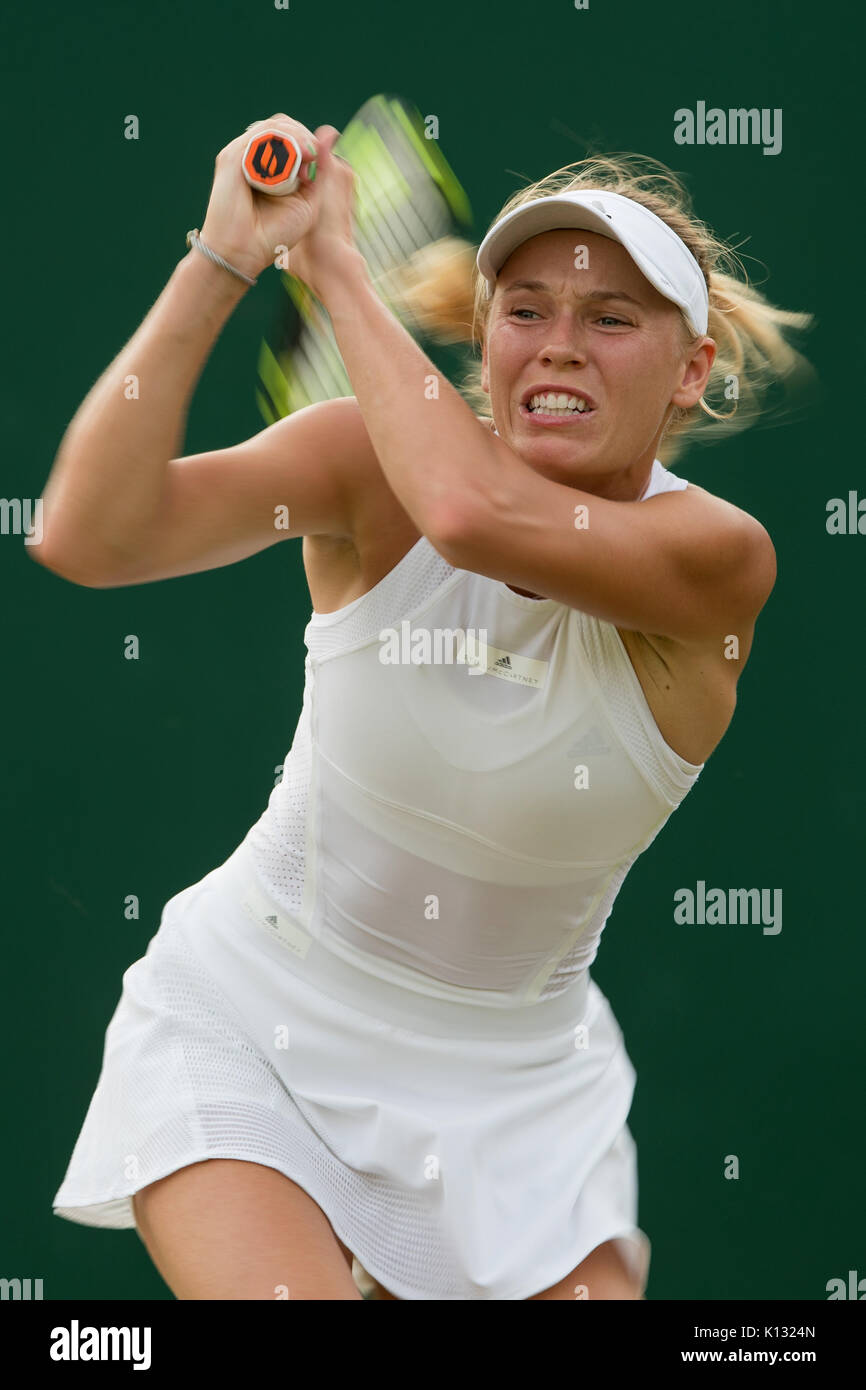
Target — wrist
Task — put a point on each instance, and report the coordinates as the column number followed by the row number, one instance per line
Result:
column 346, row 273
column 214, row 281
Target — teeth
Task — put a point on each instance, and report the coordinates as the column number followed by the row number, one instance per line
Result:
column 549, row 402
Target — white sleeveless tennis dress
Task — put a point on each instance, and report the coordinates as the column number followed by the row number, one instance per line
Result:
column 384, row 992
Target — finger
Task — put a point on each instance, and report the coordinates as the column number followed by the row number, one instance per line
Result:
column 281, row 122
column 302, row 134
column 326, row 137
column 333, row 164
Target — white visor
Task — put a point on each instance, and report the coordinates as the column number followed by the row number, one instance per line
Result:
column 656, row 250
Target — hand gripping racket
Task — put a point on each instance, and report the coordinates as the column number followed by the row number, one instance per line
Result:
column 406, row 197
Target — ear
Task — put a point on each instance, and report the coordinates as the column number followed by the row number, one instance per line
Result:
column 696, row 374
column 485, row 370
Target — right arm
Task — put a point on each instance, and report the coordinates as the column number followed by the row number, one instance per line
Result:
column 118, row 507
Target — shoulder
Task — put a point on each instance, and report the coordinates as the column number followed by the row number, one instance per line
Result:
column 744, row 543
column 721, row 547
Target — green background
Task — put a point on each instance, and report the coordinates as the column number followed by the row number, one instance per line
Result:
column 140, row 776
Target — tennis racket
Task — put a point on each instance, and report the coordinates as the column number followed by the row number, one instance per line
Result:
column 406, row 198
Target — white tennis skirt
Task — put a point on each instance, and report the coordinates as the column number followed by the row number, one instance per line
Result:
column 459, row 1151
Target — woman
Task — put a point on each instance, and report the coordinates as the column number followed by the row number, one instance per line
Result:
column 372, row 1031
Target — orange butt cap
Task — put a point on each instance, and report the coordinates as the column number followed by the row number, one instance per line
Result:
column 271, row 159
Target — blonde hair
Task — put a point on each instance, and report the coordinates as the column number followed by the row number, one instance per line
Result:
column 443, row 294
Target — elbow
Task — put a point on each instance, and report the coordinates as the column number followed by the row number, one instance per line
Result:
column 447, row 535
column 73, row 574
column 491, row 494
column 453, row 531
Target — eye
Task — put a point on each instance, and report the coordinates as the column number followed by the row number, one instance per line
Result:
column 515, row 312
column 609, row 318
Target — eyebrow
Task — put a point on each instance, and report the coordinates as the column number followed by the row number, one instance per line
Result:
column 593, row 294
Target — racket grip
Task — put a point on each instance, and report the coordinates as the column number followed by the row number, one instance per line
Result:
column 272, row 163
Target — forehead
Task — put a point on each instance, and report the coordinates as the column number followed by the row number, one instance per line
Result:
column 550, row 256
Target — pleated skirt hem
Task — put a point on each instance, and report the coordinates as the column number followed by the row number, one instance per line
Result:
column 114, row 1211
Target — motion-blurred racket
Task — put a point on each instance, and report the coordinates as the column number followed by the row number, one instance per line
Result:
column 407, row 198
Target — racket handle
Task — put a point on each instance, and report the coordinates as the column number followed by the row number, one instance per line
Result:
column 272, row 163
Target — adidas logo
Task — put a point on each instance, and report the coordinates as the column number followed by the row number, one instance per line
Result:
column 590, row 743
column 504, row 661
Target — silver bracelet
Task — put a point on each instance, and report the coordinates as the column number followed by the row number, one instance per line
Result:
column 193, row 239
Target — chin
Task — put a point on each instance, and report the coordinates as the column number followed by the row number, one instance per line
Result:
column 556, row 453
column 565, row 471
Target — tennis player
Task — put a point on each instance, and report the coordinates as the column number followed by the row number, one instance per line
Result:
column 368, row 1045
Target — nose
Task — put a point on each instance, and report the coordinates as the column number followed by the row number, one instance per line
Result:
column 565, row 343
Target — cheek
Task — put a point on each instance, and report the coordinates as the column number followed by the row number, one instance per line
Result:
column 627, row 372
column 503, row 360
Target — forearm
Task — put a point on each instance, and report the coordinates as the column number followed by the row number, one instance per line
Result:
column 435, row 455
column 108, row 477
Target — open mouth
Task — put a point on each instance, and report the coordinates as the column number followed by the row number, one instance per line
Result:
column 551, row 408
